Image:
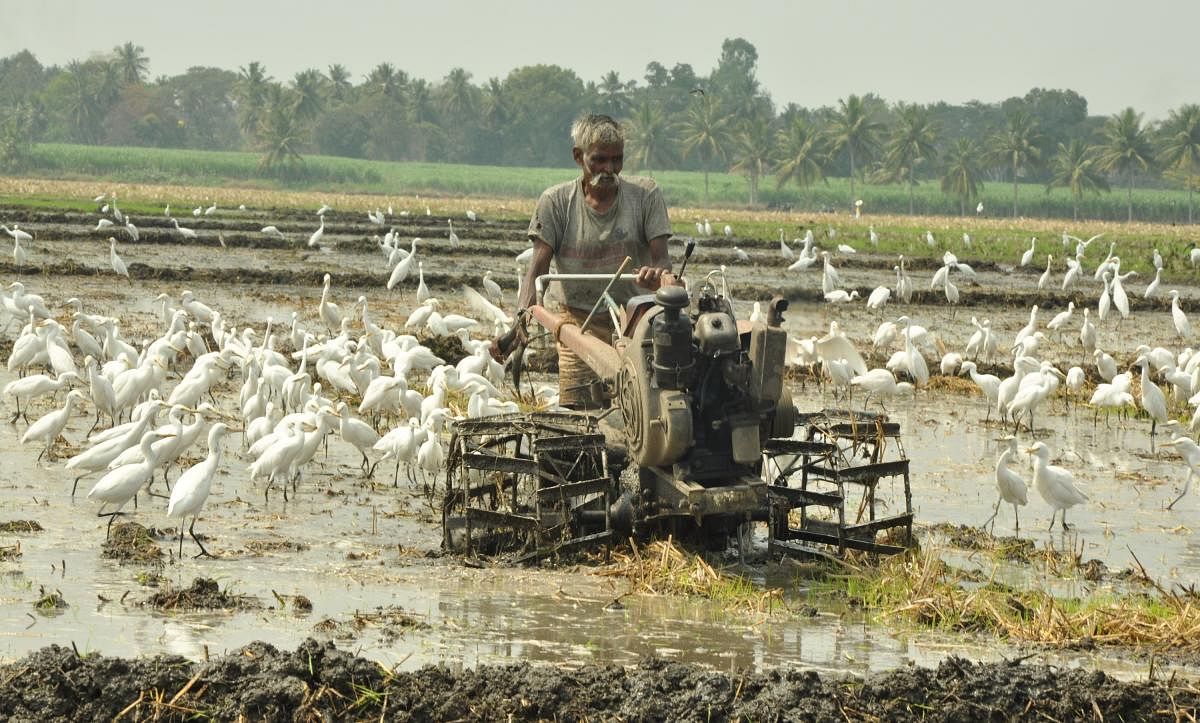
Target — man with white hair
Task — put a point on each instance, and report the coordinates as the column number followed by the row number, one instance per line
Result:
column 588, row 226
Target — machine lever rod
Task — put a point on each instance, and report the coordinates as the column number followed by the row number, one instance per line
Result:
column 628, row 260
column 687, row 254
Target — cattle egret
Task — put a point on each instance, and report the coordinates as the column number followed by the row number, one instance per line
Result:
column 1055, row 484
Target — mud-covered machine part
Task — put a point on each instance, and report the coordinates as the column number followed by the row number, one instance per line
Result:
column 708, row 424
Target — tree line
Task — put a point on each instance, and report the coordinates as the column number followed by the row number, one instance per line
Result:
column 675, row 119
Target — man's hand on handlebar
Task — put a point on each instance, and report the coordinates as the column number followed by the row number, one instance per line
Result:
column 652, row 277
column 518, row 335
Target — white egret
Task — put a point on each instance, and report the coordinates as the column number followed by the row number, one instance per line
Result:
column 929, row 240
column 1182, row 326
column 17, row 234
column 193, row 486
column 979, row 208
column 707, row 228
column 1030, row 327
column 1154, row 402
column 1157, row 259
column 966, row 239
column 728, row 231
column 879, row 298
column 471, row 215
column 1044, row 279
column 784, row 249
column 878, row 382
column 1061, row 319
column 1027, row 257
column 1106, row 366
column 120, row 485
column 839, row 296
column 315, row 238
column 1009, row 484
column 357, row 433
column 830, row 280
column 1087, row 333
column 492, row 289
column 1152, row 287
column 950, row 363
column 453, row 236
column 103, row 224
column 423, row 292
column 33, row 386
column 1073, row 270
column 272, row 231
column 740, row 255
column 1191, row 455
column 872, row 236
column 183, row 230
column 49, row 426
column 117, row 263
column 1105, row 302
column 1055, row 484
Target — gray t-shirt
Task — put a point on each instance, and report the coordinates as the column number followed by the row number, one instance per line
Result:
column 586, row 242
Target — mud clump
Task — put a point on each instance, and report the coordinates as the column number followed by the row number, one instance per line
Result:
column 391, row 621
column 17, row 527
column 265, row 547
column 318, row 681
column 50, row 602
column 131, row 542
column 204, row 594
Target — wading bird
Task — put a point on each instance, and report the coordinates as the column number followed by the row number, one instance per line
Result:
column 192, row 488
column 1055, row 484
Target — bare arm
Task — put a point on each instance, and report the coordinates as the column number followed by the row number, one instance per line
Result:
column 654, row 274
column 539, row 265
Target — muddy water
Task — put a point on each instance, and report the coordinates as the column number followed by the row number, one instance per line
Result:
column 353, row 545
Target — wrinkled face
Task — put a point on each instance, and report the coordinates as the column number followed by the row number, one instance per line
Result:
column 601, row 164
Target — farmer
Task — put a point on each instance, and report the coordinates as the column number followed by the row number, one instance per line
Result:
column 588, row 226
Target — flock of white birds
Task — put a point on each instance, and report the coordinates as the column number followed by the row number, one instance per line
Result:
column 1029, row 381
column 283, row 406
column 209, row 379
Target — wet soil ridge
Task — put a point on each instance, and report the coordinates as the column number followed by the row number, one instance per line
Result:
column 203, row 594
column 131, row 542
column 17, row 527
column 318, row 681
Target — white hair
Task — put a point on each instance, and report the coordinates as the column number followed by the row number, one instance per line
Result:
column 594, row 129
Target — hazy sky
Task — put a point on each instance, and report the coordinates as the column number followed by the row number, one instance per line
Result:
column 1114, row 52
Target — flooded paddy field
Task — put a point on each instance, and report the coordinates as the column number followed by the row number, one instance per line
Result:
column 357, row 562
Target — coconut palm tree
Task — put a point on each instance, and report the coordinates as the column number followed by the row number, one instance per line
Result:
column 705, row 131
column 614, row 94
column 458, row 96
column 913, row 142
column 132, row 62
column 854, row 128
column 251, row 92
column 802, row 155
column 1017, row 146
column 1126, row 149
column 420, row 101
column 963, row 174
column 386, row 80
column 339, row 82
column 83, row 104
column 1179, row 146
column 309, row 87
column 650, row 137
column 280, row 131
column 752, row 152
column 495, row 103
column 1074, row 168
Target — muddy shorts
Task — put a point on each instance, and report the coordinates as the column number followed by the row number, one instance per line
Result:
column 575, row 378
